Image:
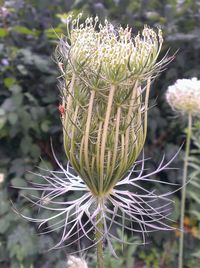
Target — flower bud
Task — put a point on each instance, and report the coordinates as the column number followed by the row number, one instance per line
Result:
column 107, row 76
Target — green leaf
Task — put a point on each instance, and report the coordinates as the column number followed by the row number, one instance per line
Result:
column 12, row 118
column 4, row 204
column 5, row 223
column 194, row 196
column 17, row 99
column 9, row 82
column 45, row 125
column 21, row 68
column 17, row 166
column 28, row 193
column 196, row 213
column 2, row 122
column 24, row 30
column 196, row 254
column 26, row 144
column 31, row 98
column 65, row 16
column 3, row 32
column 53, row 33
column 18, row 182
column 45, row 165
column 15, row 264
column 42, row 63
column 195, row 184
column 16, row 89
column 22, row 243
column 35, row 151
column 61, row 264
column 2, row 118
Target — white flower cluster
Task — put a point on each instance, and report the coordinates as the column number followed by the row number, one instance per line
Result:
column 184, row 96
column 1, row 178
column 74, row 262
column 114, row 51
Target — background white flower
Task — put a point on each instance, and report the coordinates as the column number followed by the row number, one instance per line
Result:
column 74, row 262
column 1, row 178
column 184, row 96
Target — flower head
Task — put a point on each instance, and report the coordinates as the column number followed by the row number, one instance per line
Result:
column 111, row 53
column 184, row 96
column 106, row 76
column 105, row 83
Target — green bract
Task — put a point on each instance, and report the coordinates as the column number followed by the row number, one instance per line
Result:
column 106, row 76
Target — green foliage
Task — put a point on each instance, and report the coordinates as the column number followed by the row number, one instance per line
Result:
column 21, row 243
column 3, row 32
column 124, row 253
column 160, row 257
column 24, row 30
column 151, row 259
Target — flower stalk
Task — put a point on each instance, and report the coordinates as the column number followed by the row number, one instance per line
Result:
column 99, row 240
column 183, row 192
column 184, row 97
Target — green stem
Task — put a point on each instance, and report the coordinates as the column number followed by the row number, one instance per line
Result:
column 183, row 193
column 146, row 108
column 105, row 136
column 98, row 236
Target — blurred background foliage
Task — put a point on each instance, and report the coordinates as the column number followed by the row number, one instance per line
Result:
column 29, row 116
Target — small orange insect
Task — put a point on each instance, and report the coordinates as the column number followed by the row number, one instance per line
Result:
column 61, row 109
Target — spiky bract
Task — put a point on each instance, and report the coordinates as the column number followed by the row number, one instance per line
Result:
column 129, row 206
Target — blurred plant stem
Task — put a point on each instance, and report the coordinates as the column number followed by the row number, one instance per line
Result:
column 99, row 240
column 183, row 195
